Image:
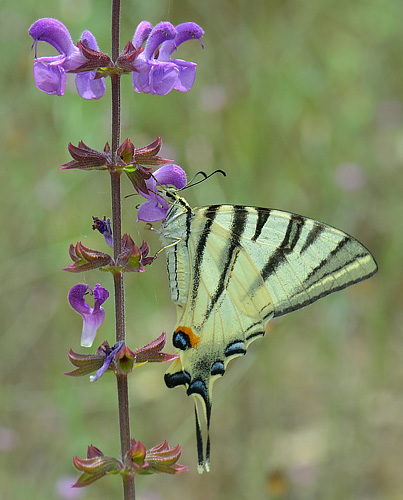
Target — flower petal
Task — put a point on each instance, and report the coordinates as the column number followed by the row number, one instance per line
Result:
column 141, row 33
column 55, row 33
column 184, row 32
column 171, row 175
column 156, row 207
column 48, row 78
column 92, row 317
column 104, row 227
column 76, row 298
column 89, row 39
column 100, row 295
column 108, row 359
column 187, row 75
column 155, row 78
column 88, row 87
column 162, row 78
column 90, row 326
column 160, row 33
column 150, row 211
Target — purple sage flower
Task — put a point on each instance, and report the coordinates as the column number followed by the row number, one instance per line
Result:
column 156, row 72
column 109, row 355
column 104, row 227
column 156, row 207
column 93, row 317
column 50, row 72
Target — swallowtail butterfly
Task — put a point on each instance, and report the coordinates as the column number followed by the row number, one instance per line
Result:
column 233, row 268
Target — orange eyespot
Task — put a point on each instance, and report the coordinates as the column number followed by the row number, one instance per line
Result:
column 193, row 338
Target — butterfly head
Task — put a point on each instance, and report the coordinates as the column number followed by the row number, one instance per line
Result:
column 177, row 202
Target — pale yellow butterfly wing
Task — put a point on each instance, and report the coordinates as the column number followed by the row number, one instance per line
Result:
column 232, row 269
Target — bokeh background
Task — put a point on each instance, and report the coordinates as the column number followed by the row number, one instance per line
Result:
column 301, row 103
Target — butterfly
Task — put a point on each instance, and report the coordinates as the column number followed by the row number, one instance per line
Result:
column 232, row 269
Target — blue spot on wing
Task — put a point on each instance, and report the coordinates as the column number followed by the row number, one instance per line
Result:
column 235, row 348
column 217, row 368
column 199, row 387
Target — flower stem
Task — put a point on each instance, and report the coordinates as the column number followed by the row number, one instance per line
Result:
column 122, row 386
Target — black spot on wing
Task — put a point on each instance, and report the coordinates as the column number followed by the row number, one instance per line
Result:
column 175, row 379
column 181, row 340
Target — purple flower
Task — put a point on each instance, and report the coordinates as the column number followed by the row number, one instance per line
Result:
column 50, row 72
column 93, row 317
column 104, row 227
column 155, row 71
column 86, row 84
column 109, row 355
column 156, row 207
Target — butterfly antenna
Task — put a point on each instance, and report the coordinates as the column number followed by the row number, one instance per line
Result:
column 205, row 177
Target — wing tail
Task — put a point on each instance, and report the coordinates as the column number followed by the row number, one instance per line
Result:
column 203, row 457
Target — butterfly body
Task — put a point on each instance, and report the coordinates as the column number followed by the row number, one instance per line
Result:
column 233, row 268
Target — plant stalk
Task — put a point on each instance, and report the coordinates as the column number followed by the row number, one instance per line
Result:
column 122, row 386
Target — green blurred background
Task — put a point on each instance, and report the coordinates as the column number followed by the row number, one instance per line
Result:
column 301, row 103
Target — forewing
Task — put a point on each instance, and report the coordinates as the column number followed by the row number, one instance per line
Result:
column 299, row 259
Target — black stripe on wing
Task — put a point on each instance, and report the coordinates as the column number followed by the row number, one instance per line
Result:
column 312, row 236
column 330, row 290
column 262, row 216
column 291, row 237
column 211, row 213
column 340, row 245
column 237, row 228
